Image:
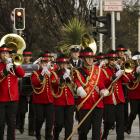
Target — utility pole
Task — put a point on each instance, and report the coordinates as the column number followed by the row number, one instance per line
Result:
column 101, row 24
column 113, row 36
column 138, row 25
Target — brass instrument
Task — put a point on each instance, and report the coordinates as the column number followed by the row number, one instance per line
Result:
column 88, row 41
column 17, row 43
column 129, row 66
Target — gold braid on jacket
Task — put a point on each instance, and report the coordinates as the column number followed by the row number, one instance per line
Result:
column 60, row 88
column 39, row 90
column 135, row 85
column 87, row 79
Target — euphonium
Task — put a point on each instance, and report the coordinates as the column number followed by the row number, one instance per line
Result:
column 88, row 41
column 16, row 43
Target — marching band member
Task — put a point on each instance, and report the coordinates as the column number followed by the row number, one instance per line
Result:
column 43, row 99
column 121, row 51
column 9, row 96
column 25, row 98
column 134, row 95
column 63, row 98
column 74, row 56
column 89, row 80
column 114, row 103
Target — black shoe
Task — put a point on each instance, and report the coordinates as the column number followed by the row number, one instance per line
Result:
column 38, row 137
column 31, row 133
column 128, row 131
column 21, row 130
column 104, row 137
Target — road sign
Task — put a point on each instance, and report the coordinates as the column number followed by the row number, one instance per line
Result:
column 113, row 5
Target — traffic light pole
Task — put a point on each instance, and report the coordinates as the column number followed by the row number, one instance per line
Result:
column 101, row 24
column 113, row 37
column 139, row 27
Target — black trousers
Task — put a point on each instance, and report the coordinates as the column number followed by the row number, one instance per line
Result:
column 63, row 118
column 114, row 113
column 134, row 110
column 22, row 110
column 93, row 121
column 44, row 112
column 8, row 112
column 31, row 118
column 126, row 113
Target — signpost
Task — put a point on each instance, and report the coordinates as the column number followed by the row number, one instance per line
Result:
column 113, row 6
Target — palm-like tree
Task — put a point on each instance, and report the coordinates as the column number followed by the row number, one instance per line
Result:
column 71, row 34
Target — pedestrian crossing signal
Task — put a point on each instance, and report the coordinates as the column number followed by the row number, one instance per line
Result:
column 19, row 18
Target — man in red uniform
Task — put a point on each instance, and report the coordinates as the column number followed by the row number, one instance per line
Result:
column 43, row 99
column 114, row 103
column 89, row 81
column 121, row 51
column 134, row 95
column 9, row 95
column 63, row 98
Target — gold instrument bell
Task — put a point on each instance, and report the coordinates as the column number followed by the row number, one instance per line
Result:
column 88, row 41
column 129, row 66
column 16, row 43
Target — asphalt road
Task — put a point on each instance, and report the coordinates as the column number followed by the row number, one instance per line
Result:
column 135, row 135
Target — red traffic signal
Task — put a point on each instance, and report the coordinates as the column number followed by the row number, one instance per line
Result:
column 19, row 18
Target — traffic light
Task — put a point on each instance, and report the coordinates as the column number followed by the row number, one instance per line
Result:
column 93, row 16
column 19, row 18
column 106, row 20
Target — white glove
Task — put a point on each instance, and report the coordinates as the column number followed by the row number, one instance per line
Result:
column 9, row 66
column 118, row 67
column 49, row 65
column 38, row 60
column 68, row 71
column 102, row 63
column 45, row 71
column 9, row 60
column 138, row 69
column 104, row 92
column 81, row 92
column 119, row 73
column 66, row 76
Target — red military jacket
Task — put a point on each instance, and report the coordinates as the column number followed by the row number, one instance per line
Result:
column 116, row 95
column 63, row 94
column 9, row 83
column 92, row 81
column 42, row 93
column 134, row 90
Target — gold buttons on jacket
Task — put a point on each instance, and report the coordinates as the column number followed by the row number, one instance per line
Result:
column 8, row 81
